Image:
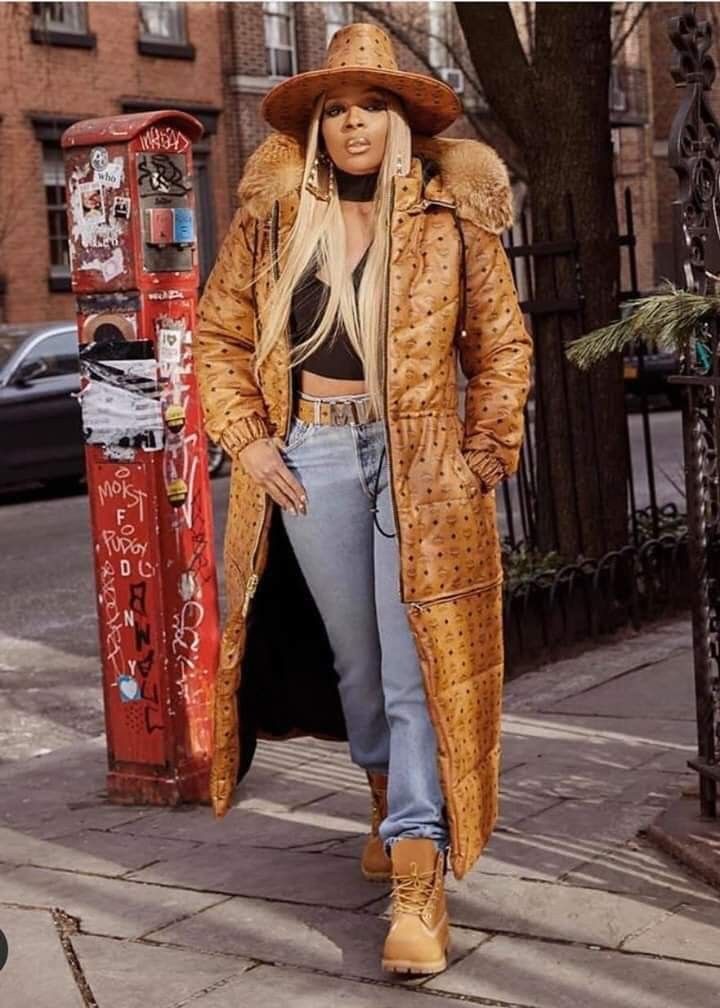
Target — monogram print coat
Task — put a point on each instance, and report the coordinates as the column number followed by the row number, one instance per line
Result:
column 451, row 300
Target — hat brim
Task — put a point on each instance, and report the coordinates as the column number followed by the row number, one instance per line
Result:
column 431, row 105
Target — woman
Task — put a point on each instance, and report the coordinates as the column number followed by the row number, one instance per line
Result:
column 362, row 555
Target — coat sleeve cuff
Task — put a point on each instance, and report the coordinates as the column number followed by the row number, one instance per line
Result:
column 242, row 432
column 489, row 469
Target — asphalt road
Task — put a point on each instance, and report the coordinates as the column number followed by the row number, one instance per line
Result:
column 49, row 677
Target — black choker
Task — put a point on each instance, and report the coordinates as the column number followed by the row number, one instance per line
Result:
column 358, row 188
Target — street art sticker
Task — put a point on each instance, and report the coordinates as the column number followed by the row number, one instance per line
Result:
column 180, row 460
column 164, row 138
column 90, row 195
column 120, row 396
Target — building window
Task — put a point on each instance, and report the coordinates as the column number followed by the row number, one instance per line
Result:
column 280, row 39
column 62, row 17
column 163, row 30
column 55, row 201
column 439, row 28
column 61, row 24
column 337, row 15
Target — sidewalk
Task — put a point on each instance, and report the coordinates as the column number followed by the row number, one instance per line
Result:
column 570, row 905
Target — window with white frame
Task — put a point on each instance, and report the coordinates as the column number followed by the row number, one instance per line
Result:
column 337, row 15
column 439, row 33
column 162, row 22
column 56, row 207
column 279, row 24
column 60, row 17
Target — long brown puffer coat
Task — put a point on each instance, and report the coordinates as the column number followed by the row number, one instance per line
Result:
column 449, row 287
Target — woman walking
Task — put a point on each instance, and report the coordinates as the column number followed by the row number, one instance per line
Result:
column 361, row 552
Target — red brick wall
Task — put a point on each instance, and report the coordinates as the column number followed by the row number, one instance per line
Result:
column 67, row 82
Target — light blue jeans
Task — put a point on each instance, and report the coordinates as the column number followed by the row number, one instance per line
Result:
column 352, row 571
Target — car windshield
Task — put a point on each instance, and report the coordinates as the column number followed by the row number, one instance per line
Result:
column 11, row 339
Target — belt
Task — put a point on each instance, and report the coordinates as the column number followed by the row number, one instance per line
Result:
column 335, row 412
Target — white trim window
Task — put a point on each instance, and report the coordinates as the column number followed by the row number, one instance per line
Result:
column 337, row 15
column 60, row 17
column 162, row 22
column 439, row 33
column 56, row 206
column 279, row 25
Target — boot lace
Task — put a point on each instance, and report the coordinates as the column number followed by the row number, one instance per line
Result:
column 415, row 892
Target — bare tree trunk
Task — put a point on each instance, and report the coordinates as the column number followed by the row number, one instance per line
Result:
column 556, row 110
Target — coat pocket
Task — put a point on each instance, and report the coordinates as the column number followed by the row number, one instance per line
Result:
column 453, row 547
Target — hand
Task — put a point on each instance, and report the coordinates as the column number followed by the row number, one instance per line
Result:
column 262, row 461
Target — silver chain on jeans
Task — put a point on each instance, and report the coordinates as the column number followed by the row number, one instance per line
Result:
column 373, row 506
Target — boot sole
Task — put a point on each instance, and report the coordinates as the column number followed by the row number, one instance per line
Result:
column 414, row 967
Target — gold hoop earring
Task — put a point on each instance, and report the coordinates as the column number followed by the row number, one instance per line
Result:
column 313, row 176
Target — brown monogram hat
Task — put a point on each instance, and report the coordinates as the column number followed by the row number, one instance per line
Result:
column 365, row 51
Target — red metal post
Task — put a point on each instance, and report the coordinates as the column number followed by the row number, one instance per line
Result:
column 133, row 257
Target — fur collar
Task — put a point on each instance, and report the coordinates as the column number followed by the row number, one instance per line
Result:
column 470, row 172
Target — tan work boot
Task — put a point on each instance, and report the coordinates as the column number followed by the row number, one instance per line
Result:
column 417, row 941
column 375, row 864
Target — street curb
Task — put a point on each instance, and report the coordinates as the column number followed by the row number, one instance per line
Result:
column 680, row 831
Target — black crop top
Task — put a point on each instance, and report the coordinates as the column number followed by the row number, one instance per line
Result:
column 335, row 357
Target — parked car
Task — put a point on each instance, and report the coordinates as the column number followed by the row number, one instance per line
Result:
column 652, row 372
column 41, row 437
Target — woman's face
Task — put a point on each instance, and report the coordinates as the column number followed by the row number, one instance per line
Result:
column 354, row 126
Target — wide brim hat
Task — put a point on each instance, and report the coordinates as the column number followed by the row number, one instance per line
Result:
column 365, row 51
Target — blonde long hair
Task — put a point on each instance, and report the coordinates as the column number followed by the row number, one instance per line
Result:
column 319, row 227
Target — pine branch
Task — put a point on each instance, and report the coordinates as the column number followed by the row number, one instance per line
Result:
column 665, row 321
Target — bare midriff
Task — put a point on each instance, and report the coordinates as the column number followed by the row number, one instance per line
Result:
column 319, row 385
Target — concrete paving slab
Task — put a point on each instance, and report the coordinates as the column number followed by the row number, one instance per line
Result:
column 548, row 975
column 293, row 876
column 638, row 867
column 333, row 941
column 131, row 974
column 684, row 833
column 600, row 738
column 530, row 739
column 557, row 680
column 268, row 986
column 548, row 910
column 47, row 812
column 691, row 931
column 672, row 683
column 95, row 852
column 275, row 788
column 601, row 823
column 564, row 778
column 672, row 760
column 268, row 824
column 36, row 972
column 104, row 906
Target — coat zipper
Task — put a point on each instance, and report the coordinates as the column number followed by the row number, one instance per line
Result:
column 254, row 579
column 387, row 371
column 424, row 606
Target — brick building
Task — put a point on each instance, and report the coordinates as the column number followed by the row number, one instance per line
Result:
column 64, row 62
column 69, row 61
